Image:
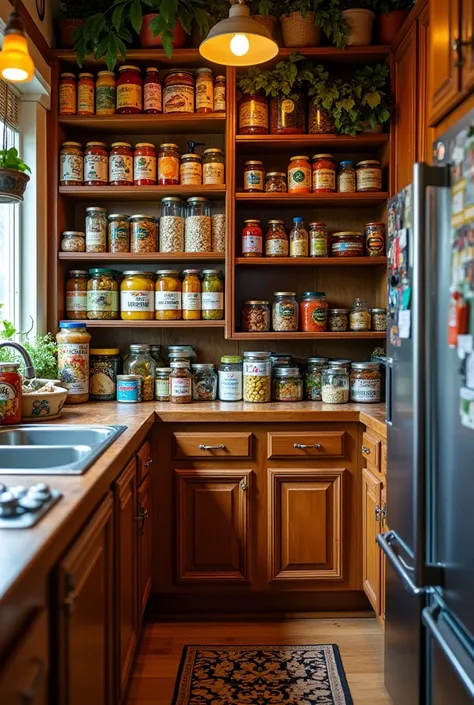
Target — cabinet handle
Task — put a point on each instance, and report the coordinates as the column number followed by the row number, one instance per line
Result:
column 303, row 446
column 70, row 600
column 220, row 447
column 142, row 516
column 243, row 485
column 379, row 513
column 458, row 46
column 366, row 450
column 147, row 463
column 29, row 693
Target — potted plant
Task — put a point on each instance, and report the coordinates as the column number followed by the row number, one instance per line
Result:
column 218, row 10
column 391, row 14
column 345, row 110
column 13, row 176
column 265, row 12
column 322, row 94
column 73, row 14
column 359, row 16
column 302, row 21
column 373, row 89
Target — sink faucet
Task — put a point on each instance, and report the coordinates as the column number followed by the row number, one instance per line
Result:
column 29, row 369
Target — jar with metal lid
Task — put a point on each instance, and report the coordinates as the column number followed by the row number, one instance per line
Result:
column 157, row 355
column 285, row 311
column 287, row 384
column 324, row 173
column 184, row 353
column 281, row 360
column 129, row 90
column 365, row 382
column 129, row 389
column 257, row 370
column 144, row 164
column 346, row 177
column 276, row 239
column 213, row 167
column 313, row 378
column 369, row 175
column 102, row 295
column 219, row 94
column 314, row 312
column 118, row 233
column 104, row 366
column 252, row 238
column 204, row 91
column 137, row 296
column 140, row 362
column 85, row 94
column 67, row 94
column 347, row 243
column 254, row 175
column 374, row 239
column 198, row 225
column 318, row 240
column 168, row 164
column 230, row 378
column 73, row 360
column 346, row 364
column 96, row 229
column 218, row 232
column 299, row 175
column 168, row 290
column 190, row 169
column 299, row 245
column 181, row 383
column 338, row 320
column 152, row 94
column 76, row 295
column 143, row 233
column 360, row 316
column 73, row 241
column 162, row 383
column 121, row 164
column 96, row 164
column 275, row 182
column 178, row 92
column 335, row 386
column 212, row 298
column 253, row 114
column 204, row 382
column 172, row 224
column 191, row 295
column 71, row 164
column 256, row 317
column 379, row 319
column 105, row 93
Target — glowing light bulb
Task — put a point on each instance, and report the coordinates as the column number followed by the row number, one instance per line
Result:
column 239, row 44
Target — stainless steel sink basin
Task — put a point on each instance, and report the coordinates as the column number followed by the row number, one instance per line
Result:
column 53, row 450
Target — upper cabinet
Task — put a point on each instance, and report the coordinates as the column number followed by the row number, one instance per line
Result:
column 405, row 83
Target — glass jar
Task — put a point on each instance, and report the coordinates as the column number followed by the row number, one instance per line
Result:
column 320, row 121
column 73, row 360
column 143, row 233
column 318, row 240
column 285, row 311
column 197, row 227
column 129, row 90
column 152, row 94
column 348, row 243
column 190, row 169
column 369, row 176
column 96, row 164
column 281, row 360
column 71, row 164
column 252, row 238
column 313, row 378
column 379, row 319
column 298, row 238
column 178, row 92
column 121, row 164
column 218, row 232
column 182, row 353
column 299, row 175
column 10, row 394
column 346, row 177
column 360, row 316
column 96, row 229
column 67, row 94
column 162, row 383
column 118, row 233
column 85, row 94
column 365, row 382
column 314, row 312
column 204, row 91
column 287, row 384
column 276, row 239
column 105, row 93
column 213, row 167
column 168, row 290
column 104, row 367
column 168, row 164
column 324, row 173
column 374, row 234
column 129, row 389
column 219, row 94
column 141, row 363
column 230, row 378
column 345, row 364
column 76, row 295
column 204, row 382
column 73, row 241
column 172, row 224
column 257, row 370
column 157, row 355
column 253, row 115
column 181, row 383
column 102, row 295
column 144, row 164
column 338, row 320
column 137, row 296
column 254, row 176
column 275, row 182
column 191, row 299
column 288, row 115
column 256, row 316
column 335, row 386
column 212, row 300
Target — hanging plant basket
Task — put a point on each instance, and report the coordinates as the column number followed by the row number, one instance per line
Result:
column 13, row 184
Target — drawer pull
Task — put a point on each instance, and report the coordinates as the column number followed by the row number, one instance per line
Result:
column 366, row 450
column 147, row 463
column 29, row 693
column 220, row 447
column 243, row 485
column 303, row 446
column 380, row 512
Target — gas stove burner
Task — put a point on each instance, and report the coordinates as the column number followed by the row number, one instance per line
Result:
column 21, row 507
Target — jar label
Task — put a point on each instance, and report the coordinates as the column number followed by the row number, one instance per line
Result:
column 360, row 320
column 102, row 379
column 9, row 401
column 67, row 98
column 276, row 247
column 144, row 168
column 180, row 386
column 212, row 301
column 162, row 388
column 353, row 248
column 137, row 301
column 128, row 390
column 230, row 385
column 152, row 97
column 178, row 99
column 168, row 168
column 71, row 168
column 204, row 93
column 346, row 182
column 95, row 168
column 76, row 300
column 167, row 301
column 252, row 243
column 253, row 179
column 121, row 168
column 262, row 368
column 95, row 237
column 85, row 98
column 213, row 173
column 102, row 301
column 253, row 114
column 287, row 106
column 299, row 248
column 129, row 95
column 73, row 367
column 319, row 317
column 375, row 243
column 299, row 178
column 324, row 179
column 219, row 99
column 369, row 179
column 190, row 173
column 105, row 100
column 118, row 234
column 365, row 390
column 286, row 311
column 191, row 301
column 319, row 246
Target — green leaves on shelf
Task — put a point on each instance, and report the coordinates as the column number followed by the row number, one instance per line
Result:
column 327, row 15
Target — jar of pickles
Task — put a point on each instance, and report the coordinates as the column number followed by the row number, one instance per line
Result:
column 105, row 93
column 338, row 320
column 213, row 167
column 168, row 295
column 118, row 233
column 318, row 240
column 252, row 238
column 137, row 296
column 162, row 383
column 204, row 382
column 276, row 239
column 168, row 164
column 96, row 229
column 191, row 295
column 143, row 233
column 76, row 295
column 257, row 370
column 141, row 363
column 102, row 295
column 360, row 316
column 313, row 378
column 287, row 384
column 212, row 295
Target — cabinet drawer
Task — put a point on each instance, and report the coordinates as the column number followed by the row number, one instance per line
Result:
column 145, row 461
column 371, row 450
column 306, row 444
column 215, row 445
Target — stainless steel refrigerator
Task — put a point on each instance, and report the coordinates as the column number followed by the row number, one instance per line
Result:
column 429, row 638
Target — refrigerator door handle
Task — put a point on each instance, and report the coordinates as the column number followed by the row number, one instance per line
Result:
column 400, row 566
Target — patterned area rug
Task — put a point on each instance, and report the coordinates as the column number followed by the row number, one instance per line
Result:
column 261, row 675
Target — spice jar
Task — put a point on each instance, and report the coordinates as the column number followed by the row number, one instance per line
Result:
column 76, row 295
column 299, row 175
column 104, row 368
column 178, row 92
column 298, row 239
column 144, row 164
column 143, row 233
column 137, row 296
column 318, row 240
column 369, row 175
column 218, row 232
column 152, row 98
column 102, row 295
column 360, row 317
column 118, row 233
column 347, row 243
column 287, row 384
column 257, row 370
column 157, row 355
column 129, row 90
column 256, row 316
column 335, row 386
column 105, row 93
column 180, row 383
column 324, row 173
column 96, row 229
column 338, row 320
column 96, row 164
column 285, row 311
column 172, row 224
column 168, row 295
column 346, row 364
column 254, row 175
column 314, row 312
column 313, row 378
column 190, row 169
column 73, row 241
column 67, row 94
column 252, row 238
column 219, row 94
column 275, row 182
column 204, row 91
column 121, row 164
column 346, row 177
column 204, row 382
column 197, row 227
column 212, row 300
column 168, row 164
column 374, row 239
column 213, row 167
column 141, row 363
column 71, row 164
column 73, row 360
column 162, row 383
column 85, row 94
column 230, row 378
column 253, row 115
column 379, row 319
column 365, row 382
column 191, row 298
column 129, row 389
column 276, row 239
column 181, row 352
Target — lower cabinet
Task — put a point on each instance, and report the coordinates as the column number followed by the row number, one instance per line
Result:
column 144, row 545
column 374, row 509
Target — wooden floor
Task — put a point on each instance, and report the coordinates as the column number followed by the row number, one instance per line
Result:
column 360, row 642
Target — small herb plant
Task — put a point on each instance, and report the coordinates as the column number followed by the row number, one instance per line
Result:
column 373, row 89
column 286, row 79
column 327, row 15
column 9, row 159
column 42, row 349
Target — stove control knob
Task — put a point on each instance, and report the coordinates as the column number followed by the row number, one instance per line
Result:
column 40, row 491
column 3, row 488
column 8, row 504
column 19, row 490
column 31, row 503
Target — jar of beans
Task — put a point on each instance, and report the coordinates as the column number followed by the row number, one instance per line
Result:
column 335, row 386
column 379, row 319
column 256, row 316
column 338, row 320
column 285, row 311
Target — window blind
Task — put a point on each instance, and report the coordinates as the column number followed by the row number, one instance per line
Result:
column 9, row 106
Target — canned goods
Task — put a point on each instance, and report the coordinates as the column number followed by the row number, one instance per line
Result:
column 129, row 388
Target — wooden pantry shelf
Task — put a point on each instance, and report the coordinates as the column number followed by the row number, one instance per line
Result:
column 250, row 144
column 351, row 54
column 309, row 261
column 370, row 335
column 154, row 324
column 313, row 199
column 193, row 123
column 139, row 193
column 126, row 257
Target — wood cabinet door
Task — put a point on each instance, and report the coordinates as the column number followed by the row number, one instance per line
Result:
column 127, row 526
column 467, row 33
column 423, row 136
column 445, row 76
column 305, row 524
column 371, row 505
column 85, row 619
column 144, row 545
column 406, row 110
column 383, row 557
column 213, row 525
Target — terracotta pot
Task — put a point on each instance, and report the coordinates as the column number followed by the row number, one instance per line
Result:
column 367, row 128
column 360, row 23
column 148, row 41
column 269, row 23
column 389, row 25
column 66, row 29
column 12, row 185
column 299, row 31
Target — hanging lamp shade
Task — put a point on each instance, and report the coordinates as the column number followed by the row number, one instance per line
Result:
column 16, row 64
column 238, row 40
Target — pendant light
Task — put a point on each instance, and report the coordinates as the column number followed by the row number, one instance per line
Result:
column 238, row 40
column 16, row 64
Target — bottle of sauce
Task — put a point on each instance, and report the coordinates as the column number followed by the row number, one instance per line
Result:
column 152, row 97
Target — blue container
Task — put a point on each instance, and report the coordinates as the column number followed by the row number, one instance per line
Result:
column 129, row 388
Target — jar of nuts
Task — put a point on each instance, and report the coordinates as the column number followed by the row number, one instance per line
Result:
column 143, row 233
column 102, row 295
column 379, row 319
column 96, row 229
column 335, row 386
column 287, row 384
column 360, row 317
column 338, row 320
column 256, row 316
column 285, row 311
column 257, row 377
column 73, row 241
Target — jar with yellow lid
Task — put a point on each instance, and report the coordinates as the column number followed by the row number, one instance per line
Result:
column 105, row 92
column 137, row 296
column 168, row 295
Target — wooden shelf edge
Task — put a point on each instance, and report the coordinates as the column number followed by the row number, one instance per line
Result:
column 309, row 261
column 375, row 139
column 142, row 257
column 371, row 335
column 154, row 324
column 312, row 197
column 140, row 193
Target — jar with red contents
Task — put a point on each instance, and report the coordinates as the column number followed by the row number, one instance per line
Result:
column 313, row 312
column 96, row 164
column 252, row 238
column 324, row 173
column 85, row 94
column 144, row 164
column 10, row 394
column 121, row 164
column 129, row 90
column 152, row 102
column 168, row 164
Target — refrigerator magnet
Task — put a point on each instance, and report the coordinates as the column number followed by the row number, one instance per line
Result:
column 466, row 407
column 404, row 324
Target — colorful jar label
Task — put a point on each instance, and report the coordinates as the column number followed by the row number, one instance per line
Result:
column 365, row 390
column 299, row 178
column 286, row 311
column 137, row 301
column 299, row 248
column 213, row 173
column 190, row 173
column 71, row 168
column 219, row 99
column 253, row 180
column 324, row 179
column 353, row 248
column 85, row 99
column 253, row 114
column 95, row 168
column 73, row 367
column 76, row 301
column 9, row 402
column 369, row 179
column 121, row 168
column 102, row 380
column 375, row 243
column 230, row 385
column 144, row 168
column 346, row 182
column 318, row 246
column 152, row 97
column 102, row 301
column 129, row 95
column 67, row 98
column 95, row 237
column 252, row 243
column 204, row 93
column 191, row 301
column 212, row 301
column 276, row 247
column 167, row 301
column 178, row 99
column 261, row 368
column 105, row 100
column 128, row 390
column 168, row 168
column 319, row 316
column 118, row 235
column 162, row 388
column 180, row 386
